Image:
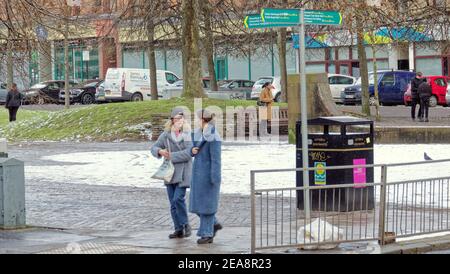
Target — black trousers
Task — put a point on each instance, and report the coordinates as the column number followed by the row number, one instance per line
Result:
column 424, row 105
column 12, row 113
column 414, row 102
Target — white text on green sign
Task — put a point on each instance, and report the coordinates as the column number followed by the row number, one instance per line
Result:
column 292, row 16
column 254, row 21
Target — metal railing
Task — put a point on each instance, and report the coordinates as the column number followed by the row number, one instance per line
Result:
column 341, row 213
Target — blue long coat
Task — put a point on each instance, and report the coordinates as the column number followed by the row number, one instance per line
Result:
column 206, row 173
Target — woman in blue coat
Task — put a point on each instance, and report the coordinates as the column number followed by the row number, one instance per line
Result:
column 206, row 177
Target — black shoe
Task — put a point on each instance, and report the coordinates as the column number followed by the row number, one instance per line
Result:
column 205, row 240
column 187, row 231
column 426, row 120
column 217, row 227
column 176, row 234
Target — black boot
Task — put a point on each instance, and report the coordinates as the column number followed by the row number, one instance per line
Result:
column 217, row 227
column 205, row 240
column 176, row 234
column 187, row 231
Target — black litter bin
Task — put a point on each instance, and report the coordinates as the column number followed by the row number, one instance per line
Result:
column 339, row 148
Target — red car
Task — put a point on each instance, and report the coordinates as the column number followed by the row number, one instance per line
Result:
column 438, row 89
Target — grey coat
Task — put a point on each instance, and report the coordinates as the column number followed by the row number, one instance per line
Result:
column 180, row 156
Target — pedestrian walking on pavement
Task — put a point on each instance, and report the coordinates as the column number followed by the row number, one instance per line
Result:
column 415, row 100
column 175, row 144
column 265, row 110
column 424, row 95
column 13, row 102
column 206, row 177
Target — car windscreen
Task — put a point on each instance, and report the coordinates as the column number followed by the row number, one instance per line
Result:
column 262, row 81
column 371, row 79
column 87, row 85
column 39, row 86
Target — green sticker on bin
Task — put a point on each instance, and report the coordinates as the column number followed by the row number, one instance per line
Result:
column 320, row 175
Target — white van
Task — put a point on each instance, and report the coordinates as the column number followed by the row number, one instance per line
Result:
column 126, row 84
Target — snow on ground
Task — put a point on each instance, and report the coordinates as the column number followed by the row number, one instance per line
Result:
column 134, row 168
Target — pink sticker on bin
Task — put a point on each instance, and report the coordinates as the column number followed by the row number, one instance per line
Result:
column 359, row 173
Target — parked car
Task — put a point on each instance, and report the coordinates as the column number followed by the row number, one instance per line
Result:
column 439, row 85
column 46, row 92
column 338, row 82
column 245, row 86
column 125, row 84
column 257, row 87
column 3, row 93
column 83, row 93
column 391, row 87
column 179, row 84
column 447, row 95
column 100, row 93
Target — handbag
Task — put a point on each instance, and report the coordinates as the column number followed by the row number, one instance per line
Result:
column 261, row 103
column 166, row 170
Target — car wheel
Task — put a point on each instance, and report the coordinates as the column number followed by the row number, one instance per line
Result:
column 372, row 101
column 433, row 101
column 87, row 99
column 137, row 97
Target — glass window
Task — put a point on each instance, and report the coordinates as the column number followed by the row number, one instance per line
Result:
column 262, row 81
column 315, row 68
column 171, row 78
column 332, row 80
column 343, row 53
column 440, row 82
column 429, row 66
column 344, row 80
column 248, row 84
column 424, row 49
column 315, row 55
column 331, row 68
column 53, row 86
column 388, row 79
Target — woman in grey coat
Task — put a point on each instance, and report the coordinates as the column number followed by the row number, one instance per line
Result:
column 206, row 177
column 175, row 144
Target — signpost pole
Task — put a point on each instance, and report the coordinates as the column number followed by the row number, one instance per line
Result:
column 304, row 114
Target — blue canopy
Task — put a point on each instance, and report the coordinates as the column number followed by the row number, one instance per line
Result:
column 404, row 34
column 309, row 42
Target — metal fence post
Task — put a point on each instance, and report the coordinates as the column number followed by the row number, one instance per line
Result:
column 253, row 212
column 382, row 217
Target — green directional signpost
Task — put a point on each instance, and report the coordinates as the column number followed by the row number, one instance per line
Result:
column 272, row 18
column 254, row 21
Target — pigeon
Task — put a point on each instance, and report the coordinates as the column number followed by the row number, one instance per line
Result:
column 426, row 157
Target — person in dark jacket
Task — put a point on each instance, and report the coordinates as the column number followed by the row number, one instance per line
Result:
column 415, row 100
column 206, row 177
column 424, row 95
column 13, row 102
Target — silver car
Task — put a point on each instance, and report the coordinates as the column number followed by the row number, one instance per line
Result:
column 3, row 93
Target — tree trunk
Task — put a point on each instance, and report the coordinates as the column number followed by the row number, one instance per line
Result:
column 192, row 66
column 152, row 59
column 375, row 86
column 9, row 62
column 363, row 67
column 282, row 59
column 66, row 64
column 208, row 43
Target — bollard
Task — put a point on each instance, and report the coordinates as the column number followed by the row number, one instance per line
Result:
column 3, row 148
column 12, row 192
